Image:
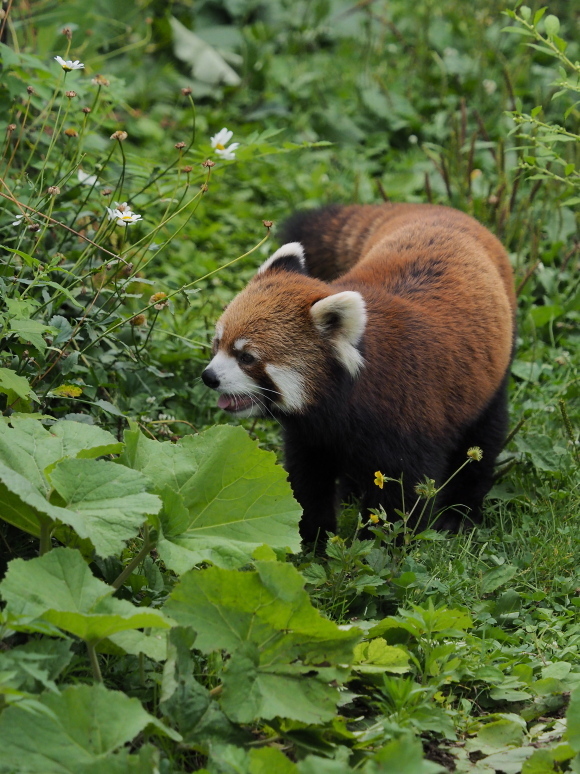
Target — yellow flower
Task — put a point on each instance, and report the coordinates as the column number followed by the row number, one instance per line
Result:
column 475, row 453
column 68, row 391
column 374, row 518
column 380, row 479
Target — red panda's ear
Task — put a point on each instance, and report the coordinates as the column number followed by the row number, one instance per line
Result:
column 289, row 257
column 342, row 318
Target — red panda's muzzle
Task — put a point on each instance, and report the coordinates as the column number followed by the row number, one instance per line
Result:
column 234, row 402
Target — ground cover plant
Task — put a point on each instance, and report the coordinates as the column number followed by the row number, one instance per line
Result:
column 157, row 612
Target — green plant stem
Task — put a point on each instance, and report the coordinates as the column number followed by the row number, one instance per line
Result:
column 94, row 661
column 135, row 561
column 45, row 533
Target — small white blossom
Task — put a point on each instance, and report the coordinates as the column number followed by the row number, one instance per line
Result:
column 489, row 86
column 87, row 179
column 68, row 64
column 220, row 140
column 18, row 221
column 122, row 214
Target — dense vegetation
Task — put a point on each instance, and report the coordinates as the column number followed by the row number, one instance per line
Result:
column 157, row 612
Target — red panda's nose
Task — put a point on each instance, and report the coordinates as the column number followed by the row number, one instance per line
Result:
column 209, row 378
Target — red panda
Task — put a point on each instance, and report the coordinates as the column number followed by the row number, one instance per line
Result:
column 380, row 336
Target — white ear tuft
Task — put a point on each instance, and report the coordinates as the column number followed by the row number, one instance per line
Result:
column 289, row 257
column 342, row 317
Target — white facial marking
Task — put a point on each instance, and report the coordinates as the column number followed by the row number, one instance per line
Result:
column 219, row 330
column 232, row 379
column 289, row 382
column 288, row 250
column 350, row 309
column 239, row 344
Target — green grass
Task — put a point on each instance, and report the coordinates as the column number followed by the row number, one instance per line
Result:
column 474, row 637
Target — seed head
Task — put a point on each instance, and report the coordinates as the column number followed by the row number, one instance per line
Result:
column 208, row 163
column 187, row 169
column 86, row 110
column 107, row 191
column 34, row 227
column 119, row 135
column 138, row 320
column 71, row 132
column 186, row 91
column 475, row 453
column 53, row 190
column 180, row 145
column 10, row 128
column 268, row 223
column 67, row 32
column 30, row 90
column 100, row 80
column 204, row 187
column 70, row 94
column 159, row 299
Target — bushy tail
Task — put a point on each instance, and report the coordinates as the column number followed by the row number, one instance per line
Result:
column 333, row 236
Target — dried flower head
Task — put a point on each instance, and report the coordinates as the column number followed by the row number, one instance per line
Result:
column 107, row 191
column 380, row 479
column 86, row 110
column 186, row 91
column 67, row 32
column 100, row 80
column 30, row 90
column 53, row 190
column 208, row 163
column 70, row 94
column 187, row 169
column 138, row 320
column 68, row 64
column 219, row 142
column 119, row 135
column 268, row 223
column 71, row 132
column 475, row 453
column 10, row 128
column 180, row 145
column 34, row 227
column 426, row 489
column 160, row 300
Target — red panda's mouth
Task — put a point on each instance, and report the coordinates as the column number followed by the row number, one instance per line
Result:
column 234, row 402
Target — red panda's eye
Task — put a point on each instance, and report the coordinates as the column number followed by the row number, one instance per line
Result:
column 246, row 358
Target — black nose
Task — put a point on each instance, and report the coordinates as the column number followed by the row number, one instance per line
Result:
column 209, row 378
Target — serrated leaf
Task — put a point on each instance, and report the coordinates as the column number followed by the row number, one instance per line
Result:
column 80, row 729
column 223, row 497
column 59, row 588
column 266, row 621
column 17, row 389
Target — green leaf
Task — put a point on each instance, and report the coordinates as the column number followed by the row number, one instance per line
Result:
column 17, row 389
column 552, row 25
column 59, row 588
column 496, row 577
column 377, row 657
column 573, row 721
column 206, row 63
column 496, row 736
column 223, row 497
column 79, row 731
column 403, row 756
column 31, row 332
column 266, row 621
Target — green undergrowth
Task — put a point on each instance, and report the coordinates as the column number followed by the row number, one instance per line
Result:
column 157, row 613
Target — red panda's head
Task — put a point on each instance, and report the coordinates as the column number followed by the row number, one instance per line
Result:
column 278, row 340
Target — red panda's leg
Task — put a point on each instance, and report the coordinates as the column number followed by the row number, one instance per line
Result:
column 312, row 475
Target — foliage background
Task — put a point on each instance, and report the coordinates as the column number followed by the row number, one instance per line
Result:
column 330, row 101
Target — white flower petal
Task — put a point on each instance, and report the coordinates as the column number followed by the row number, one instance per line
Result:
column 221, row 138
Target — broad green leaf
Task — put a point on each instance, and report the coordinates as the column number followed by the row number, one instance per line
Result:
column 573, row 721
column 31, row 332
column 496, row 736
column 266, row 621
column 422, row 621
column 205, row 62
column 223, row 497
column 496, row 577
column 17, row 390
column 377, row 657
column 403, row 756
column 80, row 729
column 59, row 588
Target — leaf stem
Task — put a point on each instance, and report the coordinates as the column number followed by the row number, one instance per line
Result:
column 94, row 660
column 136, row 560
column 45, row 533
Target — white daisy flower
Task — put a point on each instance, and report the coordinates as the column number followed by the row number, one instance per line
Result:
column 68, row 64
column 87, row 179
column 220, row 140
column 122, row 214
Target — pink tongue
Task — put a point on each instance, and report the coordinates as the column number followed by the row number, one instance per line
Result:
column 226, row 402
